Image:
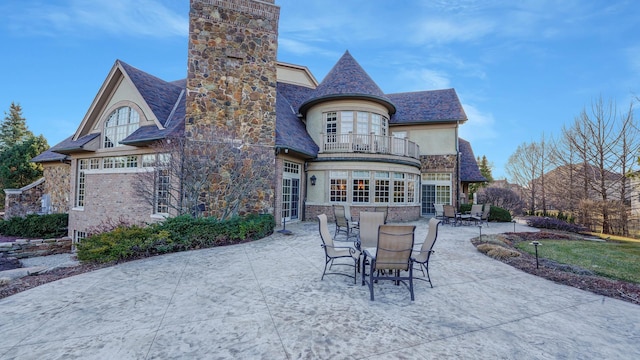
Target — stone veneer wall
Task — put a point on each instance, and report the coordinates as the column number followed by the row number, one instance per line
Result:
column 57, row 184
column 442, row 164
column 231, row 85
column 24, row 201
column 21, row 249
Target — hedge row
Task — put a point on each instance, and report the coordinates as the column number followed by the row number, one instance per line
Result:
column 174, row 234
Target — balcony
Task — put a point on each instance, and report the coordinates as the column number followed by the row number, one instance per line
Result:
column 372, row 144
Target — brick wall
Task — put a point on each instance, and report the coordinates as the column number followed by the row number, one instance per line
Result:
column 109, row 198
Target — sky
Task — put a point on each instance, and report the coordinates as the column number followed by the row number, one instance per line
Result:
column 522, row 69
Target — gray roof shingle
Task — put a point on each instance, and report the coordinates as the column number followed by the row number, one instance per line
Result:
column 427, row 106
column 291, row 132
column 469, row 170
column 347, row 79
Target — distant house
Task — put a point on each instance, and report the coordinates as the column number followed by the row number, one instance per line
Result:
column 340, row 141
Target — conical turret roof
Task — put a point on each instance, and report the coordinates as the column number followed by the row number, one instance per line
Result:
column 347, row 79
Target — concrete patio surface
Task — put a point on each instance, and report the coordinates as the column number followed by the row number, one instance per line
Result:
column 265, row 300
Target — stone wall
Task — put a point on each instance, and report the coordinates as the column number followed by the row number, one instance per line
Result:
column 57, row 185
column 21, row 249
column 24, row 201
column 231, row 86
column 442, row 164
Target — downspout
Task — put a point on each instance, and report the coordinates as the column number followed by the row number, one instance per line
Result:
column 457, row 166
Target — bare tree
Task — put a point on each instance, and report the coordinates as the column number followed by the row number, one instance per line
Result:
column 605, row 144
column 524, row 166
column 502, row 197
column 209, row 176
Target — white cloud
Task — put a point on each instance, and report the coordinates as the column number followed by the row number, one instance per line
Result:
column 438, row 30
column 420, row 79
column 147, row 18
column 480, row 125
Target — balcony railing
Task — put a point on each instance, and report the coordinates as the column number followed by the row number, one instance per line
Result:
column 373, row 144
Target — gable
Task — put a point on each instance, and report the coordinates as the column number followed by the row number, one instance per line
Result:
column 122, row 87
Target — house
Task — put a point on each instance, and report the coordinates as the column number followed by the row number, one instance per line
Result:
column 339, row 141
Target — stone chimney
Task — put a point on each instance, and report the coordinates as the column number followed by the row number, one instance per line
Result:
column 231, row 87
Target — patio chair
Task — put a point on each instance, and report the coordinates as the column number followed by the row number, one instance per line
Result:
column 343, row 224
column 484, row 215
column 450, row 214
column 384, row 209
column 369, row 223
column 333, row 252
column 476, row 212
column 423, row 255
column 391, row 256
column 439, row 211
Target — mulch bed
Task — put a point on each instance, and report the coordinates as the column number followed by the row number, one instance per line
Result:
column 560, row 273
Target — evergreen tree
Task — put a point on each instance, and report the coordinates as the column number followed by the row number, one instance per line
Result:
column 485, row 169
column 18, row 146
column 16, row 168
column 13, row 129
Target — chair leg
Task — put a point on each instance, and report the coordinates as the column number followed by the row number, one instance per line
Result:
column 372, row 264
column 411, row 282
column 325, row 269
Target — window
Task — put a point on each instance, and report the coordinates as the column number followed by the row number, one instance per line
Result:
column 360, row 187
column 398, row 188
column 83, row 165
column 412, row 184
column 332, row 126
column 338, row 185
column 161, row 203
column 291, row 168
column 120, row 124
column 120, row 162
column 381, row 187
column 357, row 122
column 346, row 122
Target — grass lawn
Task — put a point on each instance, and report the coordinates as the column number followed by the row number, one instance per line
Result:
column 616, row 260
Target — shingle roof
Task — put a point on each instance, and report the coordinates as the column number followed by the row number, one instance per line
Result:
column 160, row 95
column 347, row 79
column 69, row 145
column 50, row 155
column 427, row 106
column 469, row 170
column 291, row 132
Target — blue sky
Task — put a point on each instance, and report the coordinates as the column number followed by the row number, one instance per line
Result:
column 520, row 68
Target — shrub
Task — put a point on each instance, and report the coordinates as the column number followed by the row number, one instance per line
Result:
column 497, row 252
column 124, row 244
column 36, row 226
column 553, row 223
column 495, row 214
column 499, row 214
column 174, row 234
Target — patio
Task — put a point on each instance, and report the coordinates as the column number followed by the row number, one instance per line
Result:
column 265, row 300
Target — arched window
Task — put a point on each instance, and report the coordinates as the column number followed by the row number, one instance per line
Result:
column 120, row 124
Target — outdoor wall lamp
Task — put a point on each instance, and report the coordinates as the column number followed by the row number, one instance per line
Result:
column 313, row 180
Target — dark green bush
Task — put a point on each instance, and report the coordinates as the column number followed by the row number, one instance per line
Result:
column 495, row 214
column 124, row 243
column 174, row 234
column 499, row 214
column 36, row 226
